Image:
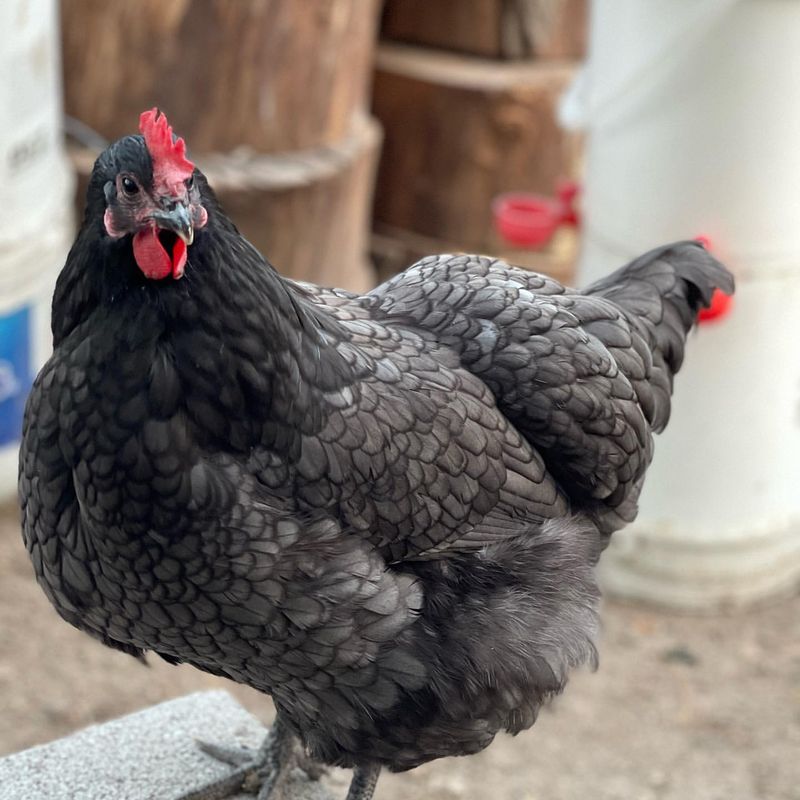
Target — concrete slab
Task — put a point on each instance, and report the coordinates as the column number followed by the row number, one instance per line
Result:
column 149, row 755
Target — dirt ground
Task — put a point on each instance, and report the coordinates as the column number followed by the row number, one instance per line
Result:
column 682, row 708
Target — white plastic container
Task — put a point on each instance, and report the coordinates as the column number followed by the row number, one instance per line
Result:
column 36, row 225
column 694, row 128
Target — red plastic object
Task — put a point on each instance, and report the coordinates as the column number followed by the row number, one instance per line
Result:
column 720, row 305
column 530, row 220
column 720, row 302
column 567, row 193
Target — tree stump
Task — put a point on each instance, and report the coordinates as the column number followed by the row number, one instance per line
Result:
column 460, row 131
column 491, row 28
column 274, row 75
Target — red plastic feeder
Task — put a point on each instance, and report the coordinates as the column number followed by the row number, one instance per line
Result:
column 721, row 303
column 530, row 220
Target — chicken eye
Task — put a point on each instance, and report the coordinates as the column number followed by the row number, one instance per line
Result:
column 190, row 182
column 129, row 185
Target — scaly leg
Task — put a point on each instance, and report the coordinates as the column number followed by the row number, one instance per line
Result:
column 259, row 773
column 362, row 787
column 254, row 772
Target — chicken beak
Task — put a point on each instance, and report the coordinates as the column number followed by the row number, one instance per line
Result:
column 177, row 220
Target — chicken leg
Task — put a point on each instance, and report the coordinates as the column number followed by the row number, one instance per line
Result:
column 256, row 773
column 362, row 787
column 260, row 772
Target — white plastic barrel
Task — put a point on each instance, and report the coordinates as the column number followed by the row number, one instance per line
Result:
column 36, row 188
column 693, row 115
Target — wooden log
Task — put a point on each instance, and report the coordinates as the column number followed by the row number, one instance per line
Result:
column 274, row 75
column 393, row 250
column 458, row 132
column 555, row 29
column 306, row 211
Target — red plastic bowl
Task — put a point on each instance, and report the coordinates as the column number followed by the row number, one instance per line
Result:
column 720, row 306
column 720, row 302
column 526, row 220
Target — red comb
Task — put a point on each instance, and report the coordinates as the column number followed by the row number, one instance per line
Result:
column 170, row 165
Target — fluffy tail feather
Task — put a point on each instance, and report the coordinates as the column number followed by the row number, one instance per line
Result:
column 662, row 292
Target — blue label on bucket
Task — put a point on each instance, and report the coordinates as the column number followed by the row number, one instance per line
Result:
column 15, row 372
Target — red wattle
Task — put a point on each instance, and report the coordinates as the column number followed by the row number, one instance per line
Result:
column 150, row 255
column 178, row 258
column 153, row 260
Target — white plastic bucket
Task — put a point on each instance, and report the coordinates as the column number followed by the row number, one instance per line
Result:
column 36, row 188
column 694, row 123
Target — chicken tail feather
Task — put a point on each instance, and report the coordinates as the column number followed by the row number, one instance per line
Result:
column 663, row 291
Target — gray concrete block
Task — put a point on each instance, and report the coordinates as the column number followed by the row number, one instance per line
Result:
column 149, row 755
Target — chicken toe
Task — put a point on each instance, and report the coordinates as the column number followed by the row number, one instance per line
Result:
column 255, row 772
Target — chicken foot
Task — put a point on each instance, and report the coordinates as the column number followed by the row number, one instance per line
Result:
column 255, row 772
column 260, row 773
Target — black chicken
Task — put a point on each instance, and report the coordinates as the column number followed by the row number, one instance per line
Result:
column 383, row 510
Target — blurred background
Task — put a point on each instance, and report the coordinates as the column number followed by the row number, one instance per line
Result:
column 347, row 138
